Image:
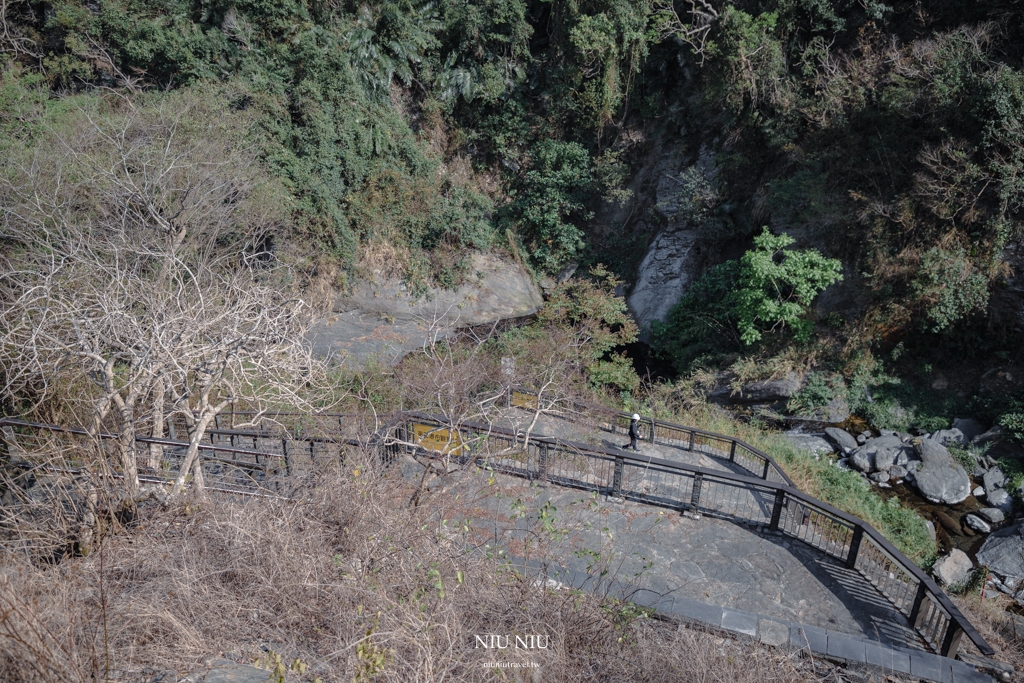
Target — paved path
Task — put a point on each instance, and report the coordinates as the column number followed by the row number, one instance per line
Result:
column 706, row 559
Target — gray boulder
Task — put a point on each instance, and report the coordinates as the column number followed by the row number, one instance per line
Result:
column 978, row 524
column 810, row 443
column 978, row 491
column 994, row 479
column 386, row 320
column 888, row 441
column 949, row 436
column 843, row 464
column 932, row 452
column 897, row 472
column 940, row 479
column 968, row 427
column 1003, row 552
column 903, row 455
column 863, row 437
column 863, row 459
column 880, row 477
column 884, row 459
column 992, row 515
column 1000, row 499
column 952, row 568
column 993, row 434
column 841, row 438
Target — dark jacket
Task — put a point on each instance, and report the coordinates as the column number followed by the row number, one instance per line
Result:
column 634, row 429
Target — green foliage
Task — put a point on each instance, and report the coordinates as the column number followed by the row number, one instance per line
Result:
column 950, row 287
column 388, row 40
column 777, row 287
column 600, row 322
column 551, row 197
column 768, row 290
column 818, row 391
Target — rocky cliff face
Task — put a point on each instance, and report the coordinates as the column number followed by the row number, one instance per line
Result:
column 684, row 195
column 384, row 320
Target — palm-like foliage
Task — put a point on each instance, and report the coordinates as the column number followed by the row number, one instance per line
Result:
column 389, row 40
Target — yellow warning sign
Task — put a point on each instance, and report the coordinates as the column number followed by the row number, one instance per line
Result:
column 438, row 439
column 523, row 400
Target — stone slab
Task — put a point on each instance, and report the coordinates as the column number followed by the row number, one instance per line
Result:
column 773, row 632
column 800, row 635
column 965, row 673
column 887, row 658
column 845, row 647
column 699, row 611
column 226, row 671
column 739, row 621
column 929, row 666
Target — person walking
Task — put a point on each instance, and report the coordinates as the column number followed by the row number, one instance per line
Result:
column 634, row 433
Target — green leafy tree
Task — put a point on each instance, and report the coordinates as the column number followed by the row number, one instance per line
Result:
column 551, row 201
column 768, row 290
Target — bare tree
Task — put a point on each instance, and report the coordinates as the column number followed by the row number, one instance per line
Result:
column 136, row 282
column 693, row 31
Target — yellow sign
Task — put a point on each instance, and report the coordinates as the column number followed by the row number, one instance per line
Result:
column 438, row 439
column 524, row 400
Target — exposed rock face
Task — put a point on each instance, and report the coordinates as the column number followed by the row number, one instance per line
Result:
column 1003, row 552
column 949, row 436
column 764, row 391
column 385, row 321
column 664, row 275
column 952, row 568
column 939, row 478
column 673, row 259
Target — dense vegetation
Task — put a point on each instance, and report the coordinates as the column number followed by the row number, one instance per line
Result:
column 403, row 133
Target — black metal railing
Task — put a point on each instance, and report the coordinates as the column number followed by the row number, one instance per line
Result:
column 719, row 446
column 268, row 467
column 776, row 505
column 766, row 497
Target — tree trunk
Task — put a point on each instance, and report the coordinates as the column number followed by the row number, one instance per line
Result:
column 192, row 454
column 156, row 452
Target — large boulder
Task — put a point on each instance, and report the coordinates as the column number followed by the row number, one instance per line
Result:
column 1000, row 499
column 1003, row 552
column 952, row 568
column 949, row 437
column 384, row 319
column 810, row 443
column 886, row 441
column 939, row 478
column 993, row 479
column 992, row 515
column 884, row 459
column 841, row 438
column 863, row 459
column 968, row 427
column 763, row 391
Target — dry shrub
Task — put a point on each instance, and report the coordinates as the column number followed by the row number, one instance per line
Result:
column 995, row 625
column 350, row 580
column 381, row 259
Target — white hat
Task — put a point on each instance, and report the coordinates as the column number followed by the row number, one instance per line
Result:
column 635, row 416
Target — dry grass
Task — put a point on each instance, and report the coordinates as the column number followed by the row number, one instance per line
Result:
column 350, row 580
column 989, row 616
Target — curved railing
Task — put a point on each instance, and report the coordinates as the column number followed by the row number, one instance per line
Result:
column 753, row 460
column 679, row 486
column 758, row 499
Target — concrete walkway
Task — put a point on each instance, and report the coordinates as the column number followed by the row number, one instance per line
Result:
column 710, row 560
